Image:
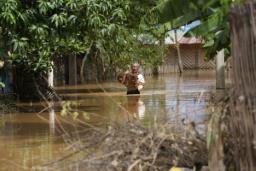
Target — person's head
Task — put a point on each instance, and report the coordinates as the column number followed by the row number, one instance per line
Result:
column 141, row 62
column 135, row 68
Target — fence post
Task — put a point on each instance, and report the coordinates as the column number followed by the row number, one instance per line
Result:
column 51, row 76
column 220, row 70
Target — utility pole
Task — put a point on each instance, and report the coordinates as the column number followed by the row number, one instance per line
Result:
column 178, row 52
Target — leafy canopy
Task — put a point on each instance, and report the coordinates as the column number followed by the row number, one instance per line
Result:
column 212, row 15
column 36, row 31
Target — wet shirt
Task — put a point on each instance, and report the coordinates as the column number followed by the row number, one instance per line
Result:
column 141, row 79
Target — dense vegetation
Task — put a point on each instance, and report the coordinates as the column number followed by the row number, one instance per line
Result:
column 35, row 32
column 109, row 34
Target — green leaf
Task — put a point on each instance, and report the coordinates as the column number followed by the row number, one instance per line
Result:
column 2, row 85
column 208, row 43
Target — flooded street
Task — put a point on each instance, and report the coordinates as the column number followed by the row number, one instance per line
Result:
column 36, row 134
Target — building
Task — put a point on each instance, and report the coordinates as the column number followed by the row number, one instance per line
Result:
column 192, row 55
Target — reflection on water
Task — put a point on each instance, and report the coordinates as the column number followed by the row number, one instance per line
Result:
column 34, row 135
column 25, row 141
column 135, row 107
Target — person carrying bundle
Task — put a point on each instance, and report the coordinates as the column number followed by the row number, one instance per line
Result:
column 133, row 80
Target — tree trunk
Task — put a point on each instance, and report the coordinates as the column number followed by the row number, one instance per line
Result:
column 83, row 62
column 72, row 70
column 31, row 86
column 155, row 71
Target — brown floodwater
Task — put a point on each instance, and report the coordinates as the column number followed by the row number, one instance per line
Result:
column 37, row 134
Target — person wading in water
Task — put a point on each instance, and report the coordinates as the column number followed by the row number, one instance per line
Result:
column 133, row 80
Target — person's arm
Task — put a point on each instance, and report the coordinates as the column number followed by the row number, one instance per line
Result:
column 124, row 80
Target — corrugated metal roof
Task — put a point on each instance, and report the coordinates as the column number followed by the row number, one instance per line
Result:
column 190, row 40
column 170, row 39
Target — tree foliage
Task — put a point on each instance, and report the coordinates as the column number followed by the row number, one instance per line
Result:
column 36, row 31
column 212, row 15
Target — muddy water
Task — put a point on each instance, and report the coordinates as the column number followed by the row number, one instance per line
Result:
column 35, row 135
